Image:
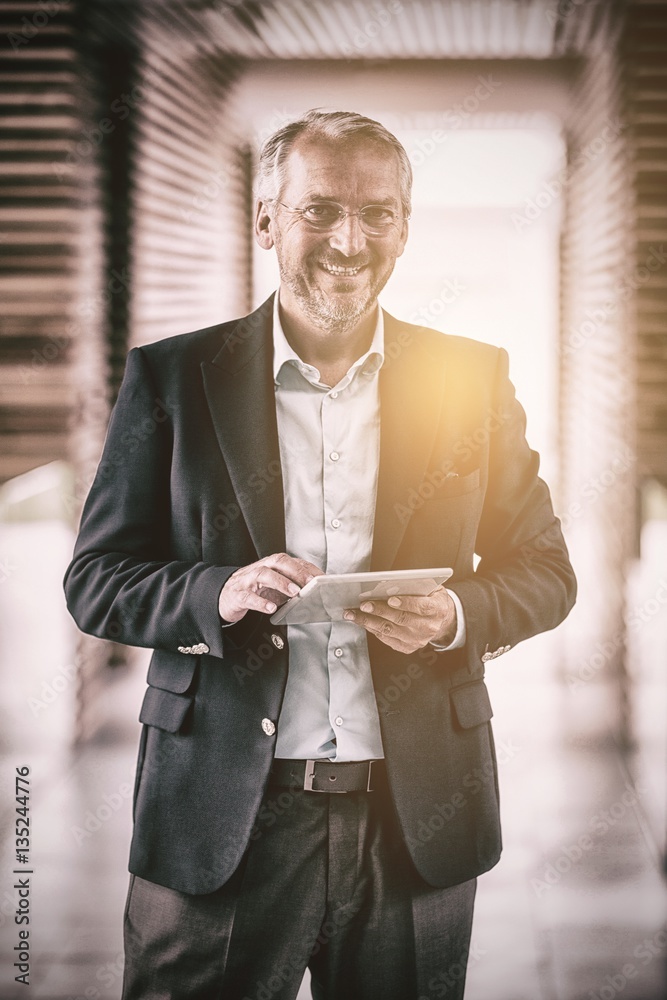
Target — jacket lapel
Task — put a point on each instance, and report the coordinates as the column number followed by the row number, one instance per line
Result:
column 239, row 389
column 412, row 389
column 240, row 394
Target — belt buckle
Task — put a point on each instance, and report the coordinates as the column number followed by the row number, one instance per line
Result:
column 308, row 777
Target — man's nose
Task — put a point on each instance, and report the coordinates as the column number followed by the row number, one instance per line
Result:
column 349, row 238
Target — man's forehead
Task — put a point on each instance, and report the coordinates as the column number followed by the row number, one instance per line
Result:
column 348, row 160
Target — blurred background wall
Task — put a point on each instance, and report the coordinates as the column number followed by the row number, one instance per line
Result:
column 537, row 130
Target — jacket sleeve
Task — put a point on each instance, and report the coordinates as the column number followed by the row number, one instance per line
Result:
column 524, row 583
column 122, row 583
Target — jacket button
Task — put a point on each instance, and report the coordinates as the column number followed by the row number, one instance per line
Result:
column 268, row 727
column 277, row 640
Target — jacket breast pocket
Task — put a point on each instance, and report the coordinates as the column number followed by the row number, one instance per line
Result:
column 455, row 485
column 471, row 704
column 165, row 709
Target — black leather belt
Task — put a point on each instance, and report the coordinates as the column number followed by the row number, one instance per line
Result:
column 325, row 776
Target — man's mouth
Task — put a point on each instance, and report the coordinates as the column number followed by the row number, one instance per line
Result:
column 341, row 272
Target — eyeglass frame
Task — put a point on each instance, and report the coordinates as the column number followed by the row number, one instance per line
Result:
column 342, row 216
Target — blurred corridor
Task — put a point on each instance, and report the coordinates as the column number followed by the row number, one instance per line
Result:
column 537, row 131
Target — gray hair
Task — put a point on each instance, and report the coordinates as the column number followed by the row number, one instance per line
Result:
column 329, row 125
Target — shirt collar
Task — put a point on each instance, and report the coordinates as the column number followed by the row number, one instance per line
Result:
column 370, row 362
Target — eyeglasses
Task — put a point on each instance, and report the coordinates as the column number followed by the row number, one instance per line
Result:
column 325, row 216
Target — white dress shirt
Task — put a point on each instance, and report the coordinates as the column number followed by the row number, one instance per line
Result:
column 329, row 449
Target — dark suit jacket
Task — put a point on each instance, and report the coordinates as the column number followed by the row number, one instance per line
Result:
column 189, row 489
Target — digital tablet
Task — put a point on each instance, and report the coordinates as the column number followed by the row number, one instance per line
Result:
column 326, row 597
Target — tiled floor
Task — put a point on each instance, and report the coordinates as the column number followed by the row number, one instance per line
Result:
column 575, row 910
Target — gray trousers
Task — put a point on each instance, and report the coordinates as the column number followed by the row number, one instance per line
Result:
column 326, row 883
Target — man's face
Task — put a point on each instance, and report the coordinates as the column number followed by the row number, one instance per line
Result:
column 353, row 174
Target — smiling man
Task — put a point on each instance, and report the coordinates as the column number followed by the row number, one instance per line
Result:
column 319, row 795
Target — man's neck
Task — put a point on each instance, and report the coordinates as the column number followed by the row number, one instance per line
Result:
column 332, row 353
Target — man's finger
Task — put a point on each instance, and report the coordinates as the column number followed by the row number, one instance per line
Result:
column 425, row 607
column 252, row 601
column 300, row 571
column 233, row 606
column 269, row 579
column 260, row 577
column 372, row 623
column 381, row 609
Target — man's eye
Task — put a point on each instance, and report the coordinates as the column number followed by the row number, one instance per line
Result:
column 377, row 213
column 321, row 213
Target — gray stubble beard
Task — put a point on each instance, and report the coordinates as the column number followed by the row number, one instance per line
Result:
column 334, row 317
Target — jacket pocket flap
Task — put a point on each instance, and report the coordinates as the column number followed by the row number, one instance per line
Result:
column 455, row 485
column 172, row 671
column 164, row 709
column 472, row 704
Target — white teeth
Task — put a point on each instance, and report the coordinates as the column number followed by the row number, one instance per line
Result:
column 346, row 271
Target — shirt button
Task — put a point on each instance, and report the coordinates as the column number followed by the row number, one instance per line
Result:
column 338, row 720
column 335, row 523
column 338, row 652
column 334, row 456
column 334, row 395
column 277, row 641
column 268, row 727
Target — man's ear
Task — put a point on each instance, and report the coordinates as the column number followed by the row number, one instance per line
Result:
column 263, row 219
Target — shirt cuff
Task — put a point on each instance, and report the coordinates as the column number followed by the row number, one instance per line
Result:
column 460, row 637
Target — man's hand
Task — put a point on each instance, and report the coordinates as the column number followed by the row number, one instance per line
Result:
column 264, row 585
column 409, row 623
